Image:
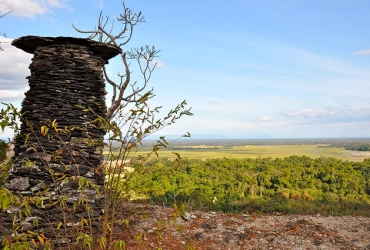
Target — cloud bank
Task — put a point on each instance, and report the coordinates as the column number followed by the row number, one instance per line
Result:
column 30, row 8
column 13, row 71
column 10, row 96
column 328, row 115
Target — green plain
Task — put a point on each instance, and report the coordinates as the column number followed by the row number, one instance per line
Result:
column 251, row 151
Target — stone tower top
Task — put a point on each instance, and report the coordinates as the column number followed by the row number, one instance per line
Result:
column 30, row 43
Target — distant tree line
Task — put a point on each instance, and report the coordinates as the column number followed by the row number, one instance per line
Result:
column 347, row 143
column 351, row 144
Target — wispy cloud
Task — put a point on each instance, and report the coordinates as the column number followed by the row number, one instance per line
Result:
column 327, row 115
column 214, row 102
column 363, row 52
column 310, row 113
column 299, row 56
column 159, row 64
column 313, row 60
column 267, row 118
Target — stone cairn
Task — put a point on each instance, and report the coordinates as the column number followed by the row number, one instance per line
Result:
column 66, row 75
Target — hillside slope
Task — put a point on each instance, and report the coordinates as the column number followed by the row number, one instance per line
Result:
column 149, row 228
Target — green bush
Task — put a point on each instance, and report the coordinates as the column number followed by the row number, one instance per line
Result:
column 296, row 184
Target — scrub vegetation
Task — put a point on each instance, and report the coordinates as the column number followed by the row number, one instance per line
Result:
column 295, row 184
column 305, row 176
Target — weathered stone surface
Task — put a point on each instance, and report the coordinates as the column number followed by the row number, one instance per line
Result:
column 30, row 44
column 66, row 74
column 19, row 184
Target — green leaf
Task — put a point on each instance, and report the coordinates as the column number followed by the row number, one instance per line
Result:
column 4, row 202
column 3, row 124
column 120, row 245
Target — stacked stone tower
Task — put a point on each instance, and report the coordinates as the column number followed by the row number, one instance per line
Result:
column 60, row 140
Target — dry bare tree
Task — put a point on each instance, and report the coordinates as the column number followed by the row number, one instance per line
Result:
column 2, row 15
column 124, row 92
column 1, row 33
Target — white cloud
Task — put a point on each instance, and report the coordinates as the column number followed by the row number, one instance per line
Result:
column 363, row 52
column 30, row 8
column 54, row 3
column 7, row 134
column 267, row 118
column 13, row 71
column 327, row 122
column 328, row 115
column 26, row 8
column 311, row 113
column 214, row 102
column 347, row 105
column 159, row 64
column 8, row 95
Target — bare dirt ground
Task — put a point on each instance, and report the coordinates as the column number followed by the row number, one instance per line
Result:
column 153, row 227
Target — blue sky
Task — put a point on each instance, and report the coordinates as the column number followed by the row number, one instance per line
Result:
column 289, row 69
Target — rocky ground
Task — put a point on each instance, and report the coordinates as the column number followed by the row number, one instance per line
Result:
column 154, row 227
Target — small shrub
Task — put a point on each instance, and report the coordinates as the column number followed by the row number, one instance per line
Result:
column 3, row 149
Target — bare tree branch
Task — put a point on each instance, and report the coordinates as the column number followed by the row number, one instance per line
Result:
column 5, row 13
column 145, row 56
column 3, row 34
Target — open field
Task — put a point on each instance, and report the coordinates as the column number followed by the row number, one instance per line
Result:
column 274, row 151
column 255, row 151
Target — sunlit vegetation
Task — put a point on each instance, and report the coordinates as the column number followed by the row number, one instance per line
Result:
column 295, row 184
column 262, row 178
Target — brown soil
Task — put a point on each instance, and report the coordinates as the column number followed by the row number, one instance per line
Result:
column 211, row 230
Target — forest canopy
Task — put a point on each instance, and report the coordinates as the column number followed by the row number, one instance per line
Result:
column 296, row 184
